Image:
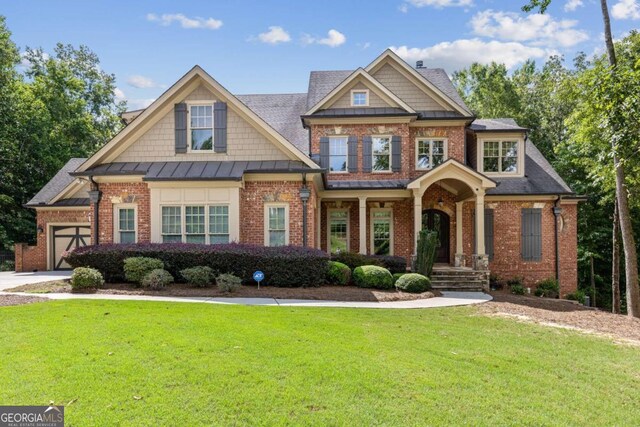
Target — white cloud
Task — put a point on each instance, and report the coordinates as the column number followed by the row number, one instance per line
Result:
column 132, row 104
column 184, row 21
column 119, row 94
column 458, row 54
column 275, row 35
column 438, row 4
column 334, row 39
column 141, row 82
column 572, row 5
column 626, row 9
column 535, row 28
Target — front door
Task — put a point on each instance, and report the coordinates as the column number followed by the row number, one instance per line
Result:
column 433, row 219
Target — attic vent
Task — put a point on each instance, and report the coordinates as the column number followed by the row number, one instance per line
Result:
column 419, row 64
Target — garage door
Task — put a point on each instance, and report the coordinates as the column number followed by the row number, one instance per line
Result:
column 65, row 238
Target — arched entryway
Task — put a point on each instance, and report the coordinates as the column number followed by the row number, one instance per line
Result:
column 437, row 220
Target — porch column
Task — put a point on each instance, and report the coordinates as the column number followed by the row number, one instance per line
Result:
column 459, row 260
column 319, row 223
column 480, row 259
column 417, row 219
column 363, row 224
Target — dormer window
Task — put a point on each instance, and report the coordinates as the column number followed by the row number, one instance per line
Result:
column 359, row 98
column 201, row 127
column 500, row 156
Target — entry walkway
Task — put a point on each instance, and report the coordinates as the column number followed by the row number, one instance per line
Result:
column 11, row 279
column 448, row 299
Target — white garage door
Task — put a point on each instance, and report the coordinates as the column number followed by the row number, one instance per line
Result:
column 65, row 238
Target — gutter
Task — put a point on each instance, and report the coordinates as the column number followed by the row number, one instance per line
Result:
column 94, row 197
column 557, row 211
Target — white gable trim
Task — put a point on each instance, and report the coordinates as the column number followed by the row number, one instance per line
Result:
column 451, row 169
column 370, row 82
column 388, row 56
column 163, row 106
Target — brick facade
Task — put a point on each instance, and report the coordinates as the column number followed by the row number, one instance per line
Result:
column 134, row 193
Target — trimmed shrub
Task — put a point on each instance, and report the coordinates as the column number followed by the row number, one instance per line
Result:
column 495, row 283
column 287, row 266
column 338, row 273
column 157, row 279
column 373, row 276
column 200, row 276
column 395, row 264
column 84, row 278
column 548, row 288
column 7, row 265
column 578, row 295
column 396, row 276
column 414, row 283
column 136, row 268
column 228, row 282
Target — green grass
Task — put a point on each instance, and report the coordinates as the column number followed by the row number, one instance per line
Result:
column 201, row 364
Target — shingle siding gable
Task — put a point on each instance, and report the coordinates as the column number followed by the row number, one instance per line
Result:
column 405, row 90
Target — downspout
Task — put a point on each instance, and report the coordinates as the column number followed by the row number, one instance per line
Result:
column 94, row 196
column 305, row 193
column 557, row 210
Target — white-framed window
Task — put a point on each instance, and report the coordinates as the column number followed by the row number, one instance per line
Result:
column 171, row 224
column 430, row 152
column 195, row 223
column 218, row 224
column 125, row 224
column 201, row 127
column 360, row 98
column 381, row 152
column 382, row 231
column 338, row 235
column 276, row 224
column 500, row 156
column 338, row 159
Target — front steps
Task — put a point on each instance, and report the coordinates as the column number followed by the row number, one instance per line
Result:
column 446, row 278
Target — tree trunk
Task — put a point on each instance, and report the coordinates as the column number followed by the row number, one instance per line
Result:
column 628, row 240
column 615, row 262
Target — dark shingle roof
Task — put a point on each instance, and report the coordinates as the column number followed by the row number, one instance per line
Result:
column 425, row 115
column 440, row 79
column 58, row 183
column 362, row 111
column 282, row 112
column 540, row 177
column 501, row 124
column 196, row 171
column 367, row 185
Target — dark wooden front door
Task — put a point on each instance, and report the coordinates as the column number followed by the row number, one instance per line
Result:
column 433, row 219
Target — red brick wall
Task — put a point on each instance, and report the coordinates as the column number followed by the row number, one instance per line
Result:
column 253, row 197
column 29, row 258
column 454, row 135
column 127, row 192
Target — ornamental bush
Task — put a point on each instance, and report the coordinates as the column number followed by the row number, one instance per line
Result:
column 414, row 283
column 395, row 264
column 200, row 276
column 548, row 288
column 157, row 279
column 288, row 266
column 136, row 268
column 373, row 276
column 228, row 282
column 84, row 278
column 338, row 273
column 396, row 276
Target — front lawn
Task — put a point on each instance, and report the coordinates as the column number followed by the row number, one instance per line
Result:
column 148, row 363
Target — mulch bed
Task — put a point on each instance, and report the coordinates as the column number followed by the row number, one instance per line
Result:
column 7, row 300
column 333, row 293
column 562, row 313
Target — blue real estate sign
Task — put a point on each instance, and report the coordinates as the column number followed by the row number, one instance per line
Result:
column 258, row 276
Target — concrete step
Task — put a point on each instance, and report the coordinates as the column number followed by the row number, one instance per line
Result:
column 450, row 277
column 475, row 288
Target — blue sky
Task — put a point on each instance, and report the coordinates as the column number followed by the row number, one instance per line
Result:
column 270, row 46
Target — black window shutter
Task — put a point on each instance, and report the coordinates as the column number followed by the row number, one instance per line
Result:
column 324, row 152
column 220, row 127
column 396, row 149
column 367, row 154
column 180, row 111
column 353, row 153
column 531, row 234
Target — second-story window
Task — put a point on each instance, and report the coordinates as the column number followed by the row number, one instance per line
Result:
column 338, row 154
column 359, row 98
column 500, row 156
column 381, row 153
column 430, row 153
column 201, row 124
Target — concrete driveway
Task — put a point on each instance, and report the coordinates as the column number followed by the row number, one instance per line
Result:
column 11, row 279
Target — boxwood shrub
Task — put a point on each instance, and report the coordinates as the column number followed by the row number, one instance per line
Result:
column 136, row 268
column 372, row 276
column 413, row 282
column 395, row 264
column 287, row 266
column 200, row 276
column 157, row 279
column 86, row 278
column 338, row 274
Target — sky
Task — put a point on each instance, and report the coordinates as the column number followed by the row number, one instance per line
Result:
column 271, row 46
